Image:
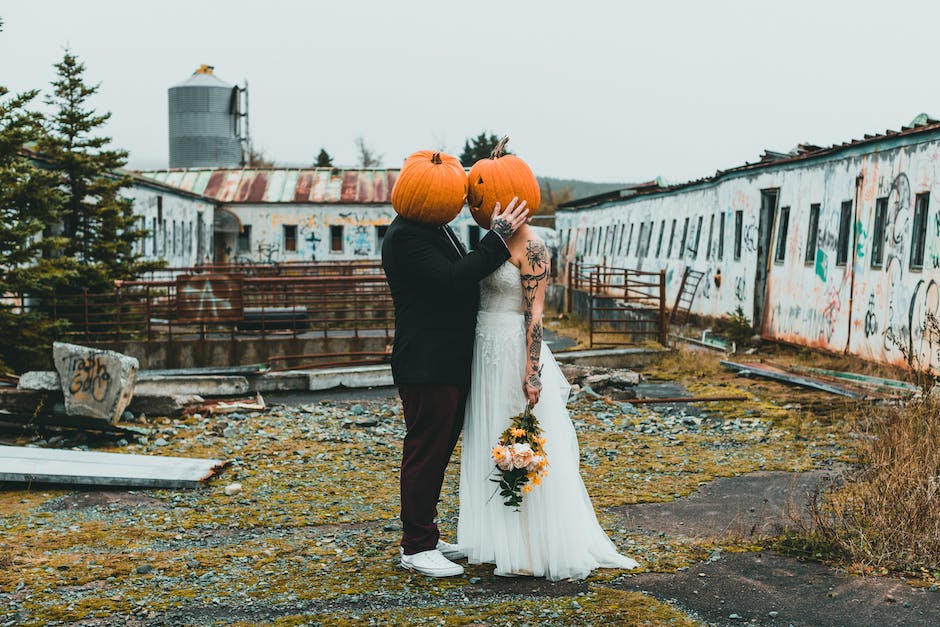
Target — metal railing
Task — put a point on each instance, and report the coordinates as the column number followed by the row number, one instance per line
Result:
column 623, row 305
column 216, row 305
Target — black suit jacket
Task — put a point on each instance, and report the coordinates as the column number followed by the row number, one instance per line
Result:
column 435, row 287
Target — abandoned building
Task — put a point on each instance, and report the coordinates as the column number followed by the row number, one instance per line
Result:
column 826, row 247
column 290, row 214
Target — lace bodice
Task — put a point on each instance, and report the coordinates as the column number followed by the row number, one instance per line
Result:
column 501, row 292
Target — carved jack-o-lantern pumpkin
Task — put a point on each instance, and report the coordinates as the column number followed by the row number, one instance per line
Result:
column 498, row 179
column 431, row 188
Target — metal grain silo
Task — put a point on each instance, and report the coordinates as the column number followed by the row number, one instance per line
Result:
column 205, row 122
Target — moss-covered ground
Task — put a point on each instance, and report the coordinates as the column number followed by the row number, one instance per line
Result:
column 313, row 536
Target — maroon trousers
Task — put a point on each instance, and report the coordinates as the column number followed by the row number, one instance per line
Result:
column 433, row 418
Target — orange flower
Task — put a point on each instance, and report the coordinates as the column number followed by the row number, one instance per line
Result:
column 535, row 479
column 526, row 488
column 517, row 433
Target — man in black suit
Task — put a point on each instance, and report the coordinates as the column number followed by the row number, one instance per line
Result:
column 435, row 287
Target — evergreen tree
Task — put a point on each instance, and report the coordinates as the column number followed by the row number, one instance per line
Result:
column 99, row 228
column 29, row 204
column 324, row 160
column 479, row 147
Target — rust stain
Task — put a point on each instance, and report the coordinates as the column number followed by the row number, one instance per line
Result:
column 304, row 183
column 349, row 191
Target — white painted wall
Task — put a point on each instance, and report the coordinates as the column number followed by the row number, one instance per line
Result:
column 818, row 302
column 358, row 231
column 173, row 222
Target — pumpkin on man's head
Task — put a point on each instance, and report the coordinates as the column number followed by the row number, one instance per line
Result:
column 498, row 179
column 431, row 188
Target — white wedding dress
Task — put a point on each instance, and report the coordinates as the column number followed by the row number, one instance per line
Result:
column 555, row 534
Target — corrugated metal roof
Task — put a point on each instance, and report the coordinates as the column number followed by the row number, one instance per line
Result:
column 922, row 124
column 283, row 185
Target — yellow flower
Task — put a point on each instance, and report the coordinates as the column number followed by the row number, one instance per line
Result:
column 535, row 479
column 526, row 489
column 517, row 433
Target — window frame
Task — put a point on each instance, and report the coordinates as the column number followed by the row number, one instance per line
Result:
column 336, row 234
column 880, row 222
column 812, row 234
column 783, row 226
column 844, row 240
column 685, row 237
column 919, row 225
column 738, row 233
column 289, row 237
column 721, row 237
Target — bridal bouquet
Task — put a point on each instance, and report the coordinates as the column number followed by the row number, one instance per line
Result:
column 520, row 458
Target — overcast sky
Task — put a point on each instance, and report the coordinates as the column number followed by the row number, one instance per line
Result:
column 609, row 91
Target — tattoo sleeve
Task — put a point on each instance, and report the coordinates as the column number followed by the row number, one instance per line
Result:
column 534, row 279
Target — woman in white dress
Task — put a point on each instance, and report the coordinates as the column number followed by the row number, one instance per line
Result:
column 555, row 533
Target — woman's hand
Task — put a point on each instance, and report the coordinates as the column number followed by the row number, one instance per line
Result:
column 505, row 223
column 532, row 388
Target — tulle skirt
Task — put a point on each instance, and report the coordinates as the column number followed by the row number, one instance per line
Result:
column 555, row 534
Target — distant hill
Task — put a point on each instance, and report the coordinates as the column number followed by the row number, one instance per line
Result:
column 579, row 189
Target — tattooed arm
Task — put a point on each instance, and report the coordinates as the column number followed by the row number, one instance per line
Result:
column 534, row 270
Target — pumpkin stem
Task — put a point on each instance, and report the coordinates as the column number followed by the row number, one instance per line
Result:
column 500, row 148
column 436, row 157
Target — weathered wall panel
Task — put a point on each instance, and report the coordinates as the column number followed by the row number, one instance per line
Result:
column 811, row 298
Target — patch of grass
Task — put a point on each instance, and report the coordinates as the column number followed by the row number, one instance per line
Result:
column 886, row 515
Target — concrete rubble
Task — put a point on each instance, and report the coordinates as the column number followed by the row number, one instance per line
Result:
column 95, row 383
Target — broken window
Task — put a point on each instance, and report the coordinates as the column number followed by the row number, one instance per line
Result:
column 649, row 238
column 629, row 239
column 244, row 240
column 738, row 232
column 783, row 223
column 845, row 225
column 290, row 237
column 380, row 231
column 919, row 235
column 639, row 240
column 812, row 234
column 336, row 238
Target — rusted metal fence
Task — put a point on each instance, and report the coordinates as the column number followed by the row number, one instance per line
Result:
column 622, row 305
column 219, row 305
column 286, row 269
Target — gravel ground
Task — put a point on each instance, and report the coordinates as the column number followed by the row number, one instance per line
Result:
column 312, row 537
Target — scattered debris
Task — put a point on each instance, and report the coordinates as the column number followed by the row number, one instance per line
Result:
column 24, row 464
column 689, row 399
column 227, row 407
column 861, row 379
column 232, row 489
column 617, row 383
column 777, row 374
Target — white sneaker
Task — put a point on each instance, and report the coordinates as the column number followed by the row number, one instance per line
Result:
column 450, row 551
column 431, row 563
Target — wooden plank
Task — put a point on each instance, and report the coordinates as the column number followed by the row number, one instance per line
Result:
column 40, row 465
column 785, row 377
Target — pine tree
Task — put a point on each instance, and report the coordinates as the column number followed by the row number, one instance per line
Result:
column 479, row 147
column 324, row 160
column 99, row 228
column 29, row 203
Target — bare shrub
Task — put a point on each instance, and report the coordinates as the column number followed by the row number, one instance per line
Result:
column 887, row 512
